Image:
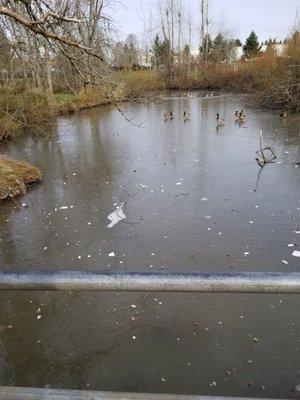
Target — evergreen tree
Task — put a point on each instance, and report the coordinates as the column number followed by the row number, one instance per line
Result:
column 186, row 51
column 206, row 47
column 237, row 42
column 161, row 51
column 251, row 48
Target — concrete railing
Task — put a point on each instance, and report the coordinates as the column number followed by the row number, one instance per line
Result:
column 11, row 393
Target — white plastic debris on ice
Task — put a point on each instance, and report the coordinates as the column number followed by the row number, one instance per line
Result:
column 116, row 216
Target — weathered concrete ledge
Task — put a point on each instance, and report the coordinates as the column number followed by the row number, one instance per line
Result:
column 16, row 393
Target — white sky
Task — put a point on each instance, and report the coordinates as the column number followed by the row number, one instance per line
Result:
column 268, row 18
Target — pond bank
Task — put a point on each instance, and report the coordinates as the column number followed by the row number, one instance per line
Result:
column 15, row 176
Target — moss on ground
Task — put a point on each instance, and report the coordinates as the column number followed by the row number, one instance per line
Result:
column 15, row 176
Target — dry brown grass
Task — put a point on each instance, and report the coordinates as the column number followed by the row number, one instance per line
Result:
column 15, row 176
column 137, row 84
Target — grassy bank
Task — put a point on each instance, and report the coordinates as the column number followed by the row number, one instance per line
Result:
column 15, row 176
column 24, row 110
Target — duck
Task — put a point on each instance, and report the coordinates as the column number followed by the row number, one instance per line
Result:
column 169, row 114
column 186, row 115
column 220, row 121
column 242, row 114
column 283, row 114
column 242, row 117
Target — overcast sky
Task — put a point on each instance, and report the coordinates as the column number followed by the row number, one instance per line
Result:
column 268, row 18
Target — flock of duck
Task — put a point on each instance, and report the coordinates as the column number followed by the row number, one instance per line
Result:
column 240, row 117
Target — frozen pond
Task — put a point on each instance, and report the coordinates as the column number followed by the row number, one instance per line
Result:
column 193, row 203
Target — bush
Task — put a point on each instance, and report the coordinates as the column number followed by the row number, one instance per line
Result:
column 27, row 110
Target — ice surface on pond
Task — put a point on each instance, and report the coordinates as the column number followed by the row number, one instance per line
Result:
column 116, row 216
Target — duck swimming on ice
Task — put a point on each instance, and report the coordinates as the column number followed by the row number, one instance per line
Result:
column 220, row 121
column 283, row 114
column 169, row 114
column 242, row 117
column 242, row 114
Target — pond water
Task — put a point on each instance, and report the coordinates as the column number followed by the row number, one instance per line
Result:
column 195, row 202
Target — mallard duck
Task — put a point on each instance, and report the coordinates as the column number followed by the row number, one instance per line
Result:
column 220, row 121
column 186, row 115
column 283, row 114
column 240, row 116
column 171, row 114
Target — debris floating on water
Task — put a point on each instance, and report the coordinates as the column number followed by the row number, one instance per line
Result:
column 116, row 216
column 112, row 254
column 296, row 253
